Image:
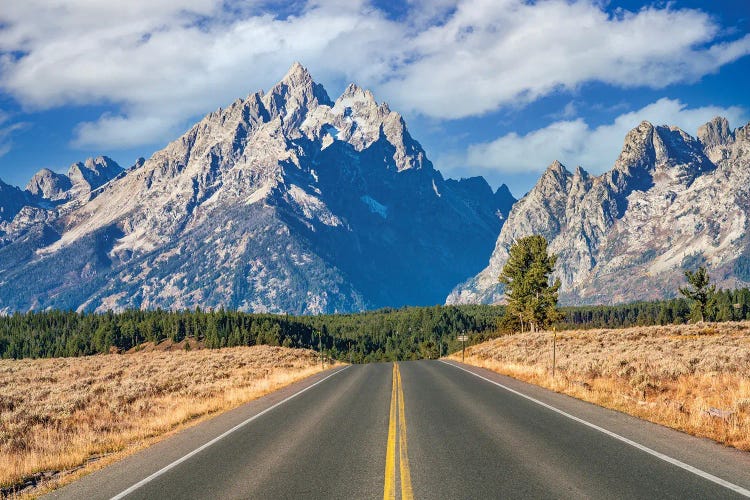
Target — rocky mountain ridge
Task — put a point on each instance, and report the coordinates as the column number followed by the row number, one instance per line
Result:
column 285, row 201
column 670, row 202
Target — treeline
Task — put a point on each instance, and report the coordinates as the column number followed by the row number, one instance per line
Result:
column 387, row 334
column 382, row 335
column 727, row 305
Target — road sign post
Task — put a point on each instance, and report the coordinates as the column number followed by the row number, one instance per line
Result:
column 463, row 338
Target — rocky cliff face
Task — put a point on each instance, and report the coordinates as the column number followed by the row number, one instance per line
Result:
column 81, row 180
column 671, row 202
column 12, row 200
column 285, row 201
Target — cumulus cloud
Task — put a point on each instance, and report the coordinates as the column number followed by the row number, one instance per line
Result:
column 574, row 142
column 161, row 63
column 162, row 66
column 495, row 52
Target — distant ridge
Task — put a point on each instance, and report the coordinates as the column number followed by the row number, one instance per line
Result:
column 671, row 202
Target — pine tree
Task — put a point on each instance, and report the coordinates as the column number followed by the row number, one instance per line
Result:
column 531, row 298
column 700, row 291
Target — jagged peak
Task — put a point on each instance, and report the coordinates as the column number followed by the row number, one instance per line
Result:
column 716, row 132
column 504, row 200
column 555, row 178
column 297, row 91
column 642, row 132
column 355, row 91
column 645, row 125
column 557, row 168
column 742, row 134
column 103, row 161
column 718, row 122
column 581, row 173
column 299, row 80
column 352, row 89
column 44, row 173
column 297, row 73
column 647, row 135
column 48, row 184
column 504, row 190
column 637, row 145
column 93, row 164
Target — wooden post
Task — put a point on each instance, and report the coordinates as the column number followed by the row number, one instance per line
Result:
column 554, row 350
column 463, row 345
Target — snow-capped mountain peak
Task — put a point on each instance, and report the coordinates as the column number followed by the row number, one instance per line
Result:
column 282, row 201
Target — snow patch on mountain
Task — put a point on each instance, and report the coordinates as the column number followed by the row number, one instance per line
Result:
column 313, row 207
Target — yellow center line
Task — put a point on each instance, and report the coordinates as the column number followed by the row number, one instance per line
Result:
column 397, row 434
column 389, row 490
column 406, row 491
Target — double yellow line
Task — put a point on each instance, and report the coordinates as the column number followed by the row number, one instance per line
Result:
column 397, row 427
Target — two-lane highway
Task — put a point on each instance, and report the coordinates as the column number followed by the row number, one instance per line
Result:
column 425, row 429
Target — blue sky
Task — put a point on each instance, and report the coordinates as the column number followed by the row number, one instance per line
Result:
column 499, row 88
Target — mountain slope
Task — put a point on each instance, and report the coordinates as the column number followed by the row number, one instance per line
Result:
column 12, row 200
column 670, row 203
column 285, row 201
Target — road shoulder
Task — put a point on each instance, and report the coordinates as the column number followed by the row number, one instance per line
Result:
column 727, row 463
column 121, row 475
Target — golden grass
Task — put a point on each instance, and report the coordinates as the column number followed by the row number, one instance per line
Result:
column 66, row 413
column 695, row 378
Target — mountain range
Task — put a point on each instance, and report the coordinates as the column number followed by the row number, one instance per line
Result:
column 671, row 203
column 289, row 201
column 285, row 201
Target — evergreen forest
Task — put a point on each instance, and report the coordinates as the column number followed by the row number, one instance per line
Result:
column 381, row 335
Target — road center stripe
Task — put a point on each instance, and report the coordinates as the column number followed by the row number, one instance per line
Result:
column 389, row 488
column 397, row 434
column 666, row 458
column 406, row 490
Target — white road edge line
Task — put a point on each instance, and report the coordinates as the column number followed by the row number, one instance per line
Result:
column 666, row 458
column 177, row 462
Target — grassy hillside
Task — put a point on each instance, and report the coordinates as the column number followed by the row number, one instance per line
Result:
column 61, row 414
column 695, row 378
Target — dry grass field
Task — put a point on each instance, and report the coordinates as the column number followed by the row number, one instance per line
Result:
column 75, row 414
column 695, row 378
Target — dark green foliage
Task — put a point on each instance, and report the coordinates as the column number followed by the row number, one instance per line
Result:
column 741, row 267
column 700, row 291
column 526, row 276
column 673, row 311
column 730, row 305
column 386, row 334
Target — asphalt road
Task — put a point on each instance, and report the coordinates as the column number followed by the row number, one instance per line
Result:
column 424, row 430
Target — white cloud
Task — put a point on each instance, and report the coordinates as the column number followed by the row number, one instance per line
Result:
column 574, row 142
column 496, row 52
column 123, row 132
column 162, row 63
